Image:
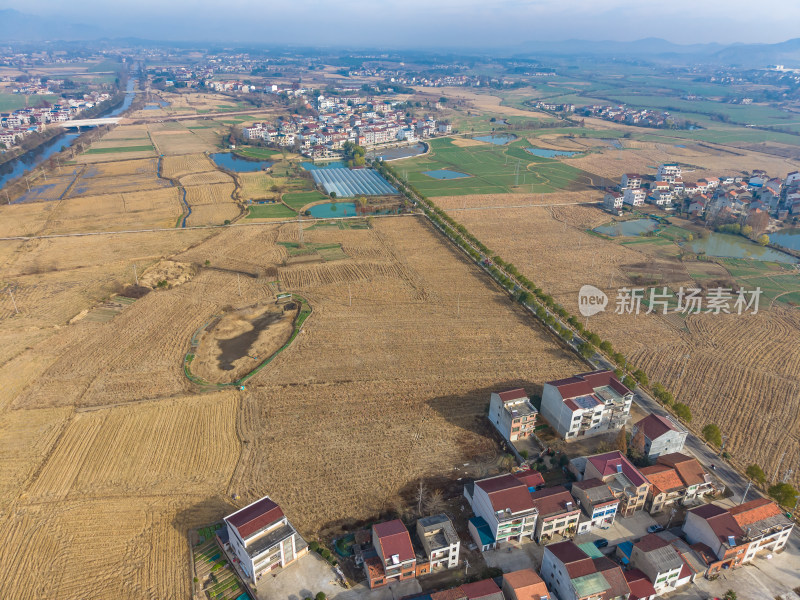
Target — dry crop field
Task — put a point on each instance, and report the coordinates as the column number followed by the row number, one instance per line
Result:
column 114, row 434
column 740, row 372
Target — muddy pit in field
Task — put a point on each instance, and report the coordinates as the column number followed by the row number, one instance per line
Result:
column 241, row 339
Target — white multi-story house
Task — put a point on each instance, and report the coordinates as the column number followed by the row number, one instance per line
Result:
column 630, row 181
column 598, row 504
column 263, row 539
column 765, row 525
column 657, row 559
column 440, row 541
column 586, row 404
column 504, row 503
column 558, row 513
column 512, row 414
column 574, row 575
column 634, row 197
column 662, row 197
column 668, row 172
column 612, row 201
column 659, row 435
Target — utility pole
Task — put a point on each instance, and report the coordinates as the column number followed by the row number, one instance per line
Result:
column 239, row 283
column 7, row 198
column 135, row 274
column 722, row 449
column 349, row 296
column 671, row 514
column 747, row 489
column 14, row 302
column 458, row 304
column 774, row 477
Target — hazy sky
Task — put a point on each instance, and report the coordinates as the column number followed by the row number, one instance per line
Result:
column 490, row 23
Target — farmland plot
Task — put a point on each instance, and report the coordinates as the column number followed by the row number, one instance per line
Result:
column 175, row 167
column 181, row 141
column 207, row 178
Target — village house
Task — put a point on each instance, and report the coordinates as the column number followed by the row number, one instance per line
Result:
column 504, row 505
column 598, row 504
column 716, row 536
column 630, row 181
column 524, row 584
column 558, row 513
column 625, row 481
column 573, row 574
column 395, row 558
column 659, row 435
column 657, row 559
column 666, row 487
column 697, row 482
column 612, row 201
column 262, row 539
column 634, row 197
column 439, row 540
column 586, row 404
column 668, row 172
column 640, row 586
column 765, row 525
column 512, row 414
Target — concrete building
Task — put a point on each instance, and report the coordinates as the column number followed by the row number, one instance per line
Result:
column 597, row 502
column 439, row 540
column 586, row 404
column 558, row 513
column 626, row 482
column 612, row 201
column 666, row 488
column 634, row 197
column 660, row 435
column 572, row 574
column 765, row 525
column 668, row 172
column 263, row 539
column 698, row 483
column 512, row 414
column 630, row 181
column 657, row 559
column 524, row 584
column 395, row 560
column 716, row 536
column 506, row 507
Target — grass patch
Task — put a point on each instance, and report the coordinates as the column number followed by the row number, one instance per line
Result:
column 299, row 199
column 9, row 102
column 270, row 211
column 119, row 149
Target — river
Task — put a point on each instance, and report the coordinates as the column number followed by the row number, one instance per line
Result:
column 33, row 158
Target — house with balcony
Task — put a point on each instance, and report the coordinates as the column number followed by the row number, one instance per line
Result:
column 698, row 483
column 524, row 584
column 512, row 414
column 612, row 201
column 660, row 435
column 586, row 404
column 634, row 196
column 715, row 535
column 626, row 482
column 668, row 172
column 575, row 575
column 506, row 508
column 766, row 527
column 657, row 559
column 395, row 558
column 630, row 181
column 597, row 502
column 439, row 540
column 262, row 539
column 666, row 488
column 558, row 513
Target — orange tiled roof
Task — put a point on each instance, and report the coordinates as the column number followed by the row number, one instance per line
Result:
column 754, row 511
column 663, row 478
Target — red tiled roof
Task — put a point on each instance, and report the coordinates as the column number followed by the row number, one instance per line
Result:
column 689, row 470
column 663, row 478
column 651, row 542
column 574, row 559
column 507, row 492
column 654, row 426
column 480, row 589
column 639, row 584
column 451, row 594
column 394, row 539
column 754, row 511
column 514, row 394
column 584, row 384
column 530, row 478
column 527, row 584
column 553, row 501
column 614, row 576
column 255, row 517
column 606, row 464
column 720, row 521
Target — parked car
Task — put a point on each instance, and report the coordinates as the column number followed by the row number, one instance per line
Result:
column 601, row 543
column 655, row 528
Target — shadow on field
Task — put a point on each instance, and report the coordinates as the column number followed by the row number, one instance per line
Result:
column 205, row 512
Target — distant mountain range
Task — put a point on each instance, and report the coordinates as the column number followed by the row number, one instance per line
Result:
column 22, row 27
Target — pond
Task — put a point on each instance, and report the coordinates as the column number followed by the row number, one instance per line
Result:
column 546, row 153
column 157, row 105
column 334, row 210
column 445, row 174
column 32, row 158
column 498, row 139
column 232, row 162
column 398, row 152
column 614, row 143
column 628, row 228
column 336, row 164
column 788, row 238
column 726, row 245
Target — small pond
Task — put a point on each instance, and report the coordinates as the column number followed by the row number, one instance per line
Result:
column 498, row 139
column 445, row 174
column 613, row 143
column 725, row 245
column 788, row 238
column 232, row 162
column 333, row 210
column 398, row 152
column 547, row 153
column 628, row 228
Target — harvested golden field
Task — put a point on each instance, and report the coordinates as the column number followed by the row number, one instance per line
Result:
column 741, row 372
column 156, row 208
column 217, row 193
column 169, row 447
column 142, row 166
column 483, row 102
column 517, row 200
column 207, row 178
column 213, row 214
column 181, row 141
column 174, row 167
column 24, row 219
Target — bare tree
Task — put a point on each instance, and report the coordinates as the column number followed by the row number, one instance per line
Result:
column 434, row 502
column 422, row 492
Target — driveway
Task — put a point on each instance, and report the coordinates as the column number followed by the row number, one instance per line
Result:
column 302, row 579
column 626, row 528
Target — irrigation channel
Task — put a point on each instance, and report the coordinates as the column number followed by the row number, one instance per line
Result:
column 303, row 314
